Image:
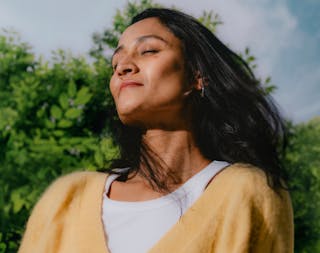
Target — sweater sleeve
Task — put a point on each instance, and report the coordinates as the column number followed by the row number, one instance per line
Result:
column 255, row 218
column 45, row 225
column 238, row 213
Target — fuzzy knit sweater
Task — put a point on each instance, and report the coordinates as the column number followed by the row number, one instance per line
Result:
column 237, row 213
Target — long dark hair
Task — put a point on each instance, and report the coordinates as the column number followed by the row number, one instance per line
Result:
column 235, row 120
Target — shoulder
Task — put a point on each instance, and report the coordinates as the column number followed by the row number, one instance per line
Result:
column 248, row 186
column 244, row 186
column 242, row 171
column 244, row 213
column 245, row 177
column 68, row 200
column 68, row 189
column 75, row 181
column 239, row 202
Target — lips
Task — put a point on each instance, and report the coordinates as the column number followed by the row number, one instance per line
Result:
column 129, row 84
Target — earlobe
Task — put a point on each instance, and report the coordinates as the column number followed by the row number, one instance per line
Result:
column 199, row 84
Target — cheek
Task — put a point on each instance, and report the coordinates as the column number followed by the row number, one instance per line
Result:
column 167, row 77
column 112, row 87
column 167, row 92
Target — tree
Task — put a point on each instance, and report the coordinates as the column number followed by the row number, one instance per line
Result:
column 303, row 162
column 53, row 120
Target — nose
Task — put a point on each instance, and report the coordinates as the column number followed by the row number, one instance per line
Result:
column 126, row 67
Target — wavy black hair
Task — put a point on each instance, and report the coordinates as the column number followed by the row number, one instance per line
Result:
column 235, row 120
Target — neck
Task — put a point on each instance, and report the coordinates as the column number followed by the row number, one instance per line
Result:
column 178, row 151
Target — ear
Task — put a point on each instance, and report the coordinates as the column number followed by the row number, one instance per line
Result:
column 196, row 84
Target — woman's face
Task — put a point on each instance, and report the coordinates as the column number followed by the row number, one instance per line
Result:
column 149, row 83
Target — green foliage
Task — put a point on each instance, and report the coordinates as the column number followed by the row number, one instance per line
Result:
column 53, row 119
column 210, row 20
column 108, row 39
column 266, row 85
column 303, row 165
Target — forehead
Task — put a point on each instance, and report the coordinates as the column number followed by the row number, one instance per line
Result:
column 148, row 26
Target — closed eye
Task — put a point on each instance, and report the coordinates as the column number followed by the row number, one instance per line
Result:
column 151, row 51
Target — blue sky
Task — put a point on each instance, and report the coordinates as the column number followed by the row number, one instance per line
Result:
column 284, row 35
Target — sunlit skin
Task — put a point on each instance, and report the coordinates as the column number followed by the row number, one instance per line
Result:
column 150, row 87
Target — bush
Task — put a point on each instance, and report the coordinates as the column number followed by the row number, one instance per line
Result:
column 53, row 120
column 303, row 165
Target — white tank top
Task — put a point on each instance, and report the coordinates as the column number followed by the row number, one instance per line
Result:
column 137, row 226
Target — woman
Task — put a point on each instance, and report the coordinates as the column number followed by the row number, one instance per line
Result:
column 200, row 166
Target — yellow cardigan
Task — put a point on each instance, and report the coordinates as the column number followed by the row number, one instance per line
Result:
column 237, row 213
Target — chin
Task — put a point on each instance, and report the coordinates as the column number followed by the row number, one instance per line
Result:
column 128, row 116
column 130, row 121
column 130, row 111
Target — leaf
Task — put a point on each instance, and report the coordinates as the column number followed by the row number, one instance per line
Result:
column 55, row 112
column 98, row 157
column 49, row 124
column 72, row 89
column 2, row 247
column 63, row 101
column 40, row 113
column 64, row 123
column 58, row 133
column 251, row 59
column 17, row 201
column 8, row 116
column 73, row 113
column 268, row 80
column 83, row 96
column 91, row 167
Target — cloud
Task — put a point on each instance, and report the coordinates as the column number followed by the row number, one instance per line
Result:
column 282, row 49
column 269, row 27
column 303, row 97
column 50, row 25
column 265, row 28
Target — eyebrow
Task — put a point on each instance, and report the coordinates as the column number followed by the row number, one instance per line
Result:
column 139, row 40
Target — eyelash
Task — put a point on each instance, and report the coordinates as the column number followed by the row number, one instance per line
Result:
column 152, row 51
column 149, row 51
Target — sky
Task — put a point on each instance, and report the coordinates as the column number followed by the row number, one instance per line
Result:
column 284, row 36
